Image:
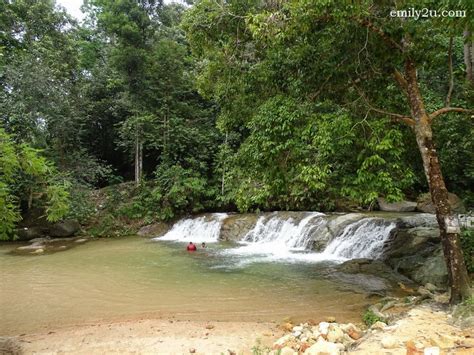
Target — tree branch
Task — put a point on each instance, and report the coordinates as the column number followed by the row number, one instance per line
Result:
column 444, row 110
column 401, row 118
column 451, row 77
column 400, row 79
column 386, row 38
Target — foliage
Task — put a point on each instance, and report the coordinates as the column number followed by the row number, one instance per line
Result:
column 27, row 177
column 369, row 318
column 467, row 244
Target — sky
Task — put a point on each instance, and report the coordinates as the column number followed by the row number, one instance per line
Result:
column 73, row 7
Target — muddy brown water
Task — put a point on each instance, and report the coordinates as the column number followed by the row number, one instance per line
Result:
column 132, row 278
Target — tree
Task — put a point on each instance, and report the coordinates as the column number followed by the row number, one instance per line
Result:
column 352, row 55
column 27, row 178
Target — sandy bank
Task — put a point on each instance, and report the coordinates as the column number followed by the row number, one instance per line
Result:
column 151, row 337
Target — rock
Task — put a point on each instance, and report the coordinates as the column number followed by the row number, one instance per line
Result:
column 401, row 206
column 29, row 233
column 389, row 342
column 323, row 347
column 424, row 292
column 30, row 247
column 287, row 351
column 442, row 298
column 154, row 230
column 81, row 240
column 192, row 350
column 434, row 350
column 354, row 334
column 297, row 334
column 413, row 348
column 236, row 226
column 335, row 334
column 323, row 328
column 65, row 228
column 433, row 271
column 281, row 342
column 426, row 205
column 38, row 251
column 378, row 326
column 331, row 319
column 430, row 287
column 298, row 328
column 443, row 341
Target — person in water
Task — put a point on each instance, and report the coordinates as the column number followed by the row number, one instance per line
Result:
column 203, row 245
column 191, row 247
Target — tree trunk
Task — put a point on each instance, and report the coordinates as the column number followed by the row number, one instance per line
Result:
column 448, row 224
column 138, row 159
column 469, row 56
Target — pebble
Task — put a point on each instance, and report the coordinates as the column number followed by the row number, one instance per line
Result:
column 38, row 251
column 431, row 351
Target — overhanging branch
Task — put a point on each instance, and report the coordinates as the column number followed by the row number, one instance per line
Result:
column 444, row 110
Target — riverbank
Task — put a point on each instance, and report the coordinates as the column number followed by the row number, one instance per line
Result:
column 150, row 336
column 426, row 327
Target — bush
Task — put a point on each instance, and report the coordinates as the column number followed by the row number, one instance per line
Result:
column 370, row 318
column 467, row 245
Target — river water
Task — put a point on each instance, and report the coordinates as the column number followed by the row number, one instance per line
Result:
column 131, row 278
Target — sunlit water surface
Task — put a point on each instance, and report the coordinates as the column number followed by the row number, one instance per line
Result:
column 130, row 278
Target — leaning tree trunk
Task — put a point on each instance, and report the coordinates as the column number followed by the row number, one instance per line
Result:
column 448, row 224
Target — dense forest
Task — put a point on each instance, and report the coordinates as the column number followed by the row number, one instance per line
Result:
column 242, row 105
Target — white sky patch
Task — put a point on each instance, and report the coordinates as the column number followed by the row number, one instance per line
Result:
column 73, row 7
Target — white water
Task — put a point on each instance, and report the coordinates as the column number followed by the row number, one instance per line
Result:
column 196, row 230
column 361, row 239
column 278, row 238
column 274, row 238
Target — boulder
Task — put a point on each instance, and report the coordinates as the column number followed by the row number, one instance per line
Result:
column 424, row 203
column 64, row 229
column 29, row 233
column 154, row 230
column 401, row 206
column 433, row 270
column 235, row 227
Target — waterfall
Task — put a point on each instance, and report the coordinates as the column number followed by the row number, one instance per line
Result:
column 197, row 230
column 362, row 239
column 278, row 238
column 275, row 232
column 290, row 236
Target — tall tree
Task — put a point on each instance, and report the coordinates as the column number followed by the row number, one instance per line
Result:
column 354, row 55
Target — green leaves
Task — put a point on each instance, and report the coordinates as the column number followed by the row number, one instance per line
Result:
column 23, row 174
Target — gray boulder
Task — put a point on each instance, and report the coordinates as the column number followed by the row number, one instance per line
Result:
column 401, row 206
column 67, row 228
column 426, row 205
column 28, row 233
column 154, row 230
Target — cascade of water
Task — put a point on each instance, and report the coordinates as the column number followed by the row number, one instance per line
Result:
column 362, row 239
column 275, row 232
column 197, row 230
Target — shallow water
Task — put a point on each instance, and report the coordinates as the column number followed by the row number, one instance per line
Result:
column 129, row 278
